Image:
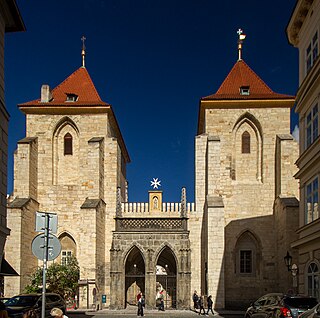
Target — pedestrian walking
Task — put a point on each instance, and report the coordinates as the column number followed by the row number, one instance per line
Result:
column 141, row 304
column 201, row 305
column 209, row 302
column 195, row 299
column 161, row 305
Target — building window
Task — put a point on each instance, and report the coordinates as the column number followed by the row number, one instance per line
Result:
column 244, row 90
column 68, row 144
column 245, row 148
column 65, row 257
column 312, row 200
column 312, row 52
column 245, row 262
column 312, row 125
column 72, row 97
column 313, row 281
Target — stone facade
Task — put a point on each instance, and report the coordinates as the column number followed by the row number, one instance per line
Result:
column 223, row 245
column 10, row 21
column 303, row 33
column 236, row 190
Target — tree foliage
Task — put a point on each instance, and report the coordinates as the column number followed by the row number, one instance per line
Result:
column 61, row 279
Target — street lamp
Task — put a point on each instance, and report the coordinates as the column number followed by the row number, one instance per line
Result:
column 288, row 261
column 293, row 268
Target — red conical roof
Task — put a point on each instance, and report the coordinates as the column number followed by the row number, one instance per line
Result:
column 79, row 83
column 83, row 99
column 242, row 76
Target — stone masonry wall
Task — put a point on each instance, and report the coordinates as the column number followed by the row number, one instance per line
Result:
column 65, row 195
column 247, row 186
column 195, row 222
column 18, row 247
column 150, row 246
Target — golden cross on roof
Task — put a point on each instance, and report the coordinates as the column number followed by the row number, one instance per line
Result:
column 242, row 36
column 83, row 52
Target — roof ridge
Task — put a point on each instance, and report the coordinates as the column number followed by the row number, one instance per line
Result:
column 241, row 75
column 86, row 73
column 258, row 77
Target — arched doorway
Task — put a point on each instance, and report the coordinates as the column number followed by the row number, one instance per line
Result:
column 135, row 276
column 166, row 278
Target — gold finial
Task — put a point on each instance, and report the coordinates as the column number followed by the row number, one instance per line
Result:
column 83, row 52
column 242, row 36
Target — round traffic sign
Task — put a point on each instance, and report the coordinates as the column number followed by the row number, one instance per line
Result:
column 38, row 248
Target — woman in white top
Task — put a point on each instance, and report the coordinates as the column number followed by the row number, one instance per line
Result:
column 58, row 313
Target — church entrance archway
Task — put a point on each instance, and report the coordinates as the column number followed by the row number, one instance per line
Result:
column 166, row 278
column 135, row 276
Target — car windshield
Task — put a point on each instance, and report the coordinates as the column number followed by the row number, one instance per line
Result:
column 22, row 301
column 303, row 303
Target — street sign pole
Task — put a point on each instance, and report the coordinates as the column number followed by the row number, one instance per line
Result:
column 47, row 224
column 46, row 243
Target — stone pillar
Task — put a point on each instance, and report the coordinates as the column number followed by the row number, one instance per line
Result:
column 200, row 171
column 92, row 260
column 183, row 211
column 150, row 280
column 184, row 280
column 213, row 166
column 95, row 169
column 287, row 152
column 26, row 168
column 117, row 280
column 196, row 218
column 18, row 246
column 150, row 289
column 216, row 243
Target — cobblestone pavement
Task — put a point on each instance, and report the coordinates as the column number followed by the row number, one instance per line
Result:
column 152, row 313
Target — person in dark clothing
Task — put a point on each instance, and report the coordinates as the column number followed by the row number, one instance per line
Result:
column 195, row 299
column 141, row 304
column 201, row 305
column 210, row 302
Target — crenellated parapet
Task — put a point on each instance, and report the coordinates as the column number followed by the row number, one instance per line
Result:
column 155, row 207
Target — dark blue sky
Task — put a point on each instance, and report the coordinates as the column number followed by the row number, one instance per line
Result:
column 152, row 60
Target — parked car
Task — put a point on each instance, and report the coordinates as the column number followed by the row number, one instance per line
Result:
column 4, row 299
column 312, row 313
column 18, row 305
column 278, row 305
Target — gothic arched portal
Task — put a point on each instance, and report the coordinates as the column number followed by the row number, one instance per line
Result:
column 135, row 276
column 166, row 278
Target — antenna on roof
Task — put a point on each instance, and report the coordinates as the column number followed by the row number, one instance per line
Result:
column 242, row 36
column 83, row 52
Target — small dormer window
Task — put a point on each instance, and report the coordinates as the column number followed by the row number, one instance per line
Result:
column 72, row 97
column 244, row 90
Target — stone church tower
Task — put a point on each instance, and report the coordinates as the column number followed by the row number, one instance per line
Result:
column 71, row 162
column 245, row 191
column 230, row 244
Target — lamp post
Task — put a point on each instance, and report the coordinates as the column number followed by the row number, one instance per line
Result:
column 288, row 261
column 293, row 268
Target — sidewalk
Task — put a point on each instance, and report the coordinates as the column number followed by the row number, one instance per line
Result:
column 132, row 311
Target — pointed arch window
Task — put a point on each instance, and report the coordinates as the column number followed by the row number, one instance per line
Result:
column 68, row 144
column 245, row 144
column 246, row 255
